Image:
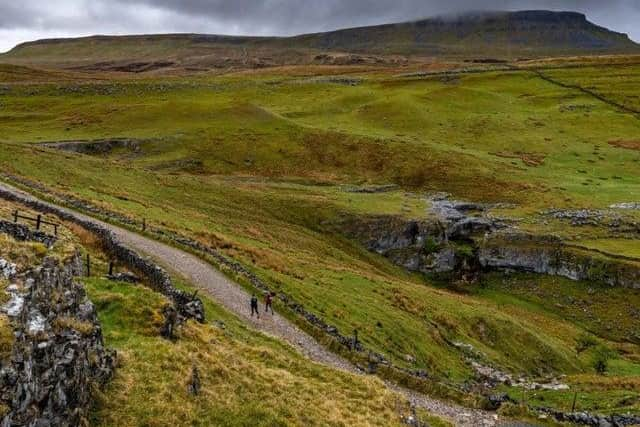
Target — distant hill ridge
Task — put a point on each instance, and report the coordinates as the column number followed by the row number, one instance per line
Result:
column 505, row 35
column 534, row 31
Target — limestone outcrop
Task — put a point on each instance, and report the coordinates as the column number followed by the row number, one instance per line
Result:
column 462, row 238
column 58, row 355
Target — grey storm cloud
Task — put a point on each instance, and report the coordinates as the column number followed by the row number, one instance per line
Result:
column 31, row 19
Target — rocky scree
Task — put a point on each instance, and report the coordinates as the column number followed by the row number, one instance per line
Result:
column 7, row 269
column 58, row 355
column 585, row 418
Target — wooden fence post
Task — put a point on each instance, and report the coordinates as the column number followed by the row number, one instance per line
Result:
column 55, row 229
column 38, row 221
column 144, row 224
column 88, row 265
column 15, row 216
column 575, row 398
column 111, row 268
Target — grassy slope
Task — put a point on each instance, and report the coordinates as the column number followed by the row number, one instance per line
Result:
column 588, row 305
column 427, row 133
column 619, row 84
column 246, row 378
column 442, row 133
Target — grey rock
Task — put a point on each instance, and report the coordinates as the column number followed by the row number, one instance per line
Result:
column 467, row 227
column 51, row 373
column 628, row 206
column 23, row 233
column 125, row 277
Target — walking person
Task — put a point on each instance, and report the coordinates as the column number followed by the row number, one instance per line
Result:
column 254, row 306
column 268, row 303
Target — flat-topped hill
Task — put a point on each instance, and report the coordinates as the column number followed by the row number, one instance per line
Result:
column 496, row 35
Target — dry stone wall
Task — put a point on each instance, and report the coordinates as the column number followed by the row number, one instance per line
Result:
column 23, row 233
column 58, row 355
column 187, row 305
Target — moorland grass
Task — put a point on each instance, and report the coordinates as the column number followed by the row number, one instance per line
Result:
column 246, row 378
column 257, row 164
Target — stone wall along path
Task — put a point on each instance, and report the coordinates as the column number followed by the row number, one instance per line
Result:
column 234, row 298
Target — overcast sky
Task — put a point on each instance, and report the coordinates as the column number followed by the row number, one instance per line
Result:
column 23, row 20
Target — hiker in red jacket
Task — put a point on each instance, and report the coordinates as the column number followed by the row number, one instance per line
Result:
column 268, row 302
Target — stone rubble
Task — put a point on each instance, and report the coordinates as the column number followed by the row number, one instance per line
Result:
column 7, row 269
column 496, row 376
column 48, row 380
column 23, row 233
column 585, row 418
column 492, row 376
column 627, row 206
column 612, row 219
column 578, row 217
column 125, row 277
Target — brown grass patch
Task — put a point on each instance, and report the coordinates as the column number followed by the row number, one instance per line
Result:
column 86, row 237
column 600, row 382
column 629, row 144
column 529, row 159
column 61, row 323
column 7, row 337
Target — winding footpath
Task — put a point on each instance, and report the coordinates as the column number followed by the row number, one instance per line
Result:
column 234, row 298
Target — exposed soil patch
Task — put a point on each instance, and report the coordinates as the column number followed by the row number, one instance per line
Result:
column 130, row 67
column 95, row 147
column 629, row 144
column 191, row 166
column 354, row 59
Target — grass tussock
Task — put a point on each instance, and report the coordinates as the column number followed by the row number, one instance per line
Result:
column 61, row 323
column 7, row 337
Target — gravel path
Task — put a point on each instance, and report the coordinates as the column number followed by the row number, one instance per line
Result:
column 235, row 299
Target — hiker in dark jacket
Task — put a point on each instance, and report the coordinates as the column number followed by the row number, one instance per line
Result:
column 254, row 306
column 268, row 303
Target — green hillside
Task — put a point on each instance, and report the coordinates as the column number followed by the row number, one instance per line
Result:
column 247, row 378
column 261, row 166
